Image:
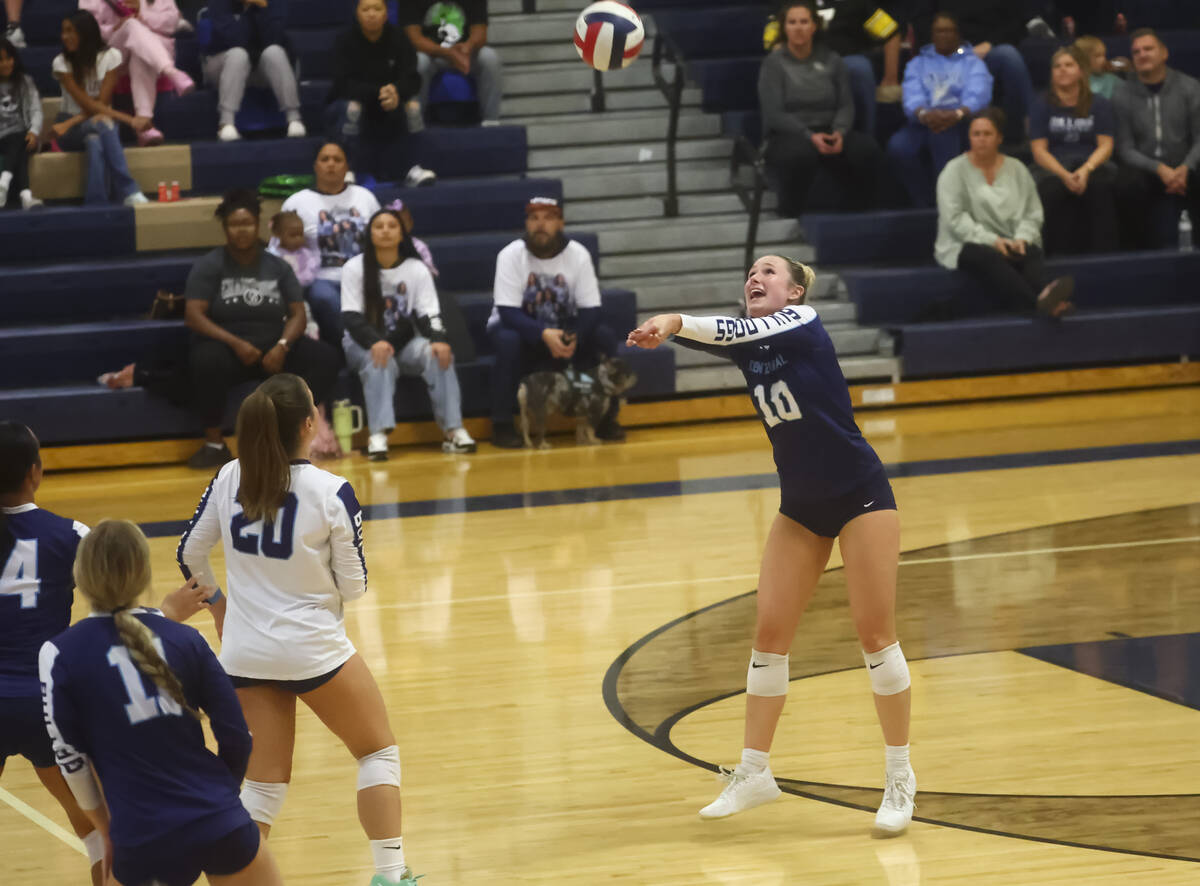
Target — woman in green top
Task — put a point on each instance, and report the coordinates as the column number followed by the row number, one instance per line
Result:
column 990, row 225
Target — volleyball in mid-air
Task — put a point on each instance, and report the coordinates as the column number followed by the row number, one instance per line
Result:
column 609, row 35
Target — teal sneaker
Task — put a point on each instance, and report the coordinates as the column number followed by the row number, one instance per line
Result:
column 409, row 879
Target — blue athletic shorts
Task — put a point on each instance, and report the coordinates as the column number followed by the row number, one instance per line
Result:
column 172, row 862
column 297, row 686
column 829, row 516
column 23, row 731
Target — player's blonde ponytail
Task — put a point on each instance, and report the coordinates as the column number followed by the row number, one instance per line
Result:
column 268, row 434
column 802, row 275
column 112, row 569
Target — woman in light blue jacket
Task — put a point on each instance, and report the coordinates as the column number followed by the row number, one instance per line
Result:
column 943, row 86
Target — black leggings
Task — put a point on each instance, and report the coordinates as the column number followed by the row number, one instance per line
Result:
column 15, row 159
column 1010, row 283
column 1084, row 223
column 216, row 369
column 795, row 163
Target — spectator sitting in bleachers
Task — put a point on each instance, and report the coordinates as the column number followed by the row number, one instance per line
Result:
column 453, row 36
column 335, row 215
column 249, row 45
column 88, row 72
column 994, row 28
column 1101, row 78
column 374, row 79
column 1072, row 138
column 990, row 225
column 545, row 316
column 943, row 86
column 394, row 327
column 868, row 40
column 143, row 30
column 808, row 117
column 20, row 127
column 1158, row 146
column 246, row 313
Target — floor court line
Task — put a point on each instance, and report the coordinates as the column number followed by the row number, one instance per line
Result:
column 750, row 576
column 41, row 821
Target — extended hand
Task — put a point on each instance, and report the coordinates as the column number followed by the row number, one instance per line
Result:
column 654, row 331
column 184, row 602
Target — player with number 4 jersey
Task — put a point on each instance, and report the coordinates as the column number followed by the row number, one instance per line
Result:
column 292, row 535
column 832, row 485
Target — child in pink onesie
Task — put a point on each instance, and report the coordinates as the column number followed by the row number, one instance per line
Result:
column 144, row 32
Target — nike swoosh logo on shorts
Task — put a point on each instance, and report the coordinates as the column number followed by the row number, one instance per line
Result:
column 868, row 504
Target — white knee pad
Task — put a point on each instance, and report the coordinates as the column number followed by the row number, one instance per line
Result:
column 381, row 767
column 93, row 845
column 887, row 669
column 263, row 799
column 767, row 674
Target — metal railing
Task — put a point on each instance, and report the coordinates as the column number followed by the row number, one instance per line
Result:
column 751, row 194
column 665, row 50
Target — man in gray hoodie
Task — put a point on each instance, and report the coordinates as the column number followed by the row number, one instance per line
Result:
column 1158, row 146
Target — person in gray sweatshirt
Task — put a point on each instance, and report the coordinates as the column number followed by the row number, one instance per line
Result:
column 20, row 126
column 808, row 115
column 1158, row 146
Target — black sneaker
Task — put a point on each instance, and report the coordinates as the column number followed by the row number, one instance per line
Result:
column 210, row 457
column 505, row 436
column 610, row 430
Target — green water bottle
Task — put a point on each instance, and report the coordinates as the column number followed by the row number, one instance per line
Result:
column 347, row 419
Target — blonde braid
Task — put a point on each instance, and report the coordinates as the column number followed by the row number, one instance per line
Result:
column 139, row 640
column 802, row 275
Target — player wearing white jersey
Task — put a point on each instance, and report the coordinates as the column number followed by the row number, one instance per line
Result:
column 292, row 535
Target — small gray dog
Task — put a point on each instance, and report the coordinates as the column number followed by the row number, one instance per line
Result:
column 574, row 395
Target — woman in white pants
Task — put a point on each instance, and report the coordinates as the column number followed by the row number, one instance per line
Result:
column 394, row 327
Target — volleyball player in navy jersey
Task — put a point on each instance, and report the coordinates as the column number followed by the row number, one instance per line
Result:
column 123, row 690
column 832, row 485
column 37, row 555
column 292, row 535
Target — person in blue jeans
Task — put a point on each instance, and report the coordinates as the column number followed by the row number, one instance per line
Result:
column 88, row 72
column 943, row 86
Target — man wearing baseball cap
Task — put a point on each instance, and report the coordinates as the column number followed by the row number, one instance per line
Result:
column 545, row 315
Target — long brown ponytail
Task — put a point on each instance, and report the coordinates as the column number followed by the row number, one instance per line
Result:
column 112, row 569
column 268, row 432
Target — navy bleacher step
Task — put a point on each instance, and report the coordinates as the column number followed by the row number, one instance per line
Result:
column 67, row 231
column 1006, row 343
column 88, row 290
column 727, row 84
column 49, row 355
column 719, row 32
column 460, row 205
column 902, row 295
column 331, row 14
column 904, row 235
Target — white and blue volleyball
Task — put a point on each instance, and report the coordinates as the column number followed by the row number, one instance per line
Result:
column 609, row 35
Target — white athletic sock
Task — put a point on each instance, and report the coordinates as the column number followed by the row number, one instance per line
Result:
column 897, row 758
column 753, row 762
column 389, row 858
column 6, row 178
column 214, row 445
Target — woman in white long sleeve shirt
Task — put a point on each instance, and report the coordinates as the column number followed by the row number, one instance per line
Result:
column 990, row 225
column 292, row 535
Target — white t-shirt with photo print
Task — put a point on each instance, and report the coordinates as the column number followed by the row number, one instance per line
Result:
column 334, row 224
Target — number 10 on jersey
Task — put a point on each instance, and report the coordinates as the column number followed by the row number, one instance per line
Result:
column 776, row 405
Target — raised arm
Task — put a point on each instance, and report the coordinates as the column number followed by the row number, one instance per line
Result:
column 719, row 333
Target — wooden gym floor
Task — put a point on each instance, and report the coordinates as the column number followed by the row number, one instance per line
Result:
column 562, row 639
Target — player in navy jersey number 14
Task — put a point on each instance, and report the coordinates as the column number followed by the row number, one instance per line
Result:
column 292, row 535
column 123, row 690
column 37, row 556
column 832, row 485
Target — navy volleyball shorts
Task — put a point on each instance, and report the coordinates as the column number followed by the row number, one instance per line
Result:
column 23, row 731
column 299, row 687
column 828, row 516
column 172, row 862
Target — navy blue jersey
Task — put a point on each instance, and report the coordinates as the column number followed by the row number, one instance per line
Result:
column 37, row 556
column 150, row 756
column 800, row 394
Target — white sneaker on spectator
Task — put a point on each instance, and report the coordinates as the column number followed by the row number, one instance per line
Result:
column 28, row 201
column 899, row 801
column 136, row 199
column 16, row 36
column 742, row 791
column 296, row 129
column 457, row 442
column 377, row 447
column 228, row 133
column 419, row 176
